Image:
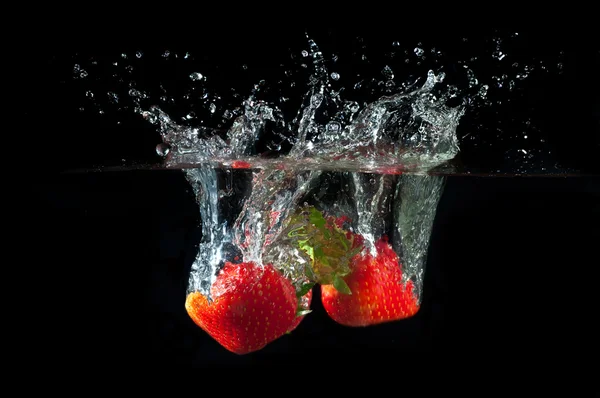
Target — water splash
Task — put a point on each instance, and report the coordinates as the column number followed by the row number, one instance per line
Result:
column 407, row 126
column 414, row 127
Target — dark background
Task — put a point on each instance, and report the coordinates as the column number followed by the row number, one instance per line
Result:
column 511, row 272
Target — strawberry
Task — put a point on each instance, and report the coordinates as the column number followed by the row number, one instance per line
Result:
column 377, row 294
column 240, row 164
column 253, row 305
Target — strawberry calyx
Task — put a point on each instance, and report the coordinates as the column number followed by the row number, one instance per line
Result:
column 327, row 246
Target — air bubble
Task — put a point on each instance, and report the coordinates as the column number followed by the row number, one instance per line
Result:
column 419, row 51
column 335, row 76
column 196, row 76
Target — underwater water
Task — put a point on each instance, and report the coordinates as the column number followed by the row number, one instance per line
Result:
column 415, row 124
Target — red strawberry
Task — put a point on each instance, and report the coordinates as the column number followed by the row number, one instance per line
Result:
column 377, row 294
column 240, row 164
column 253, row 305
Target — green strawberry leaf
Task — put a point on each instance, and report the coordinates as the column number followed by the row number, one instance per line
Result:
column 340, row 285
column 302, row 312
column 328, row 247
column 316, row 218
column 304, row 289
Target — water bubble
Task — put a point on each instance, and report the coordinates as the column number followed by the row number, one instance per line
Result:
column 335, row 76
column 139, row 54
column 89, row 94
column 163, row 149
column 304, row 53
column 190, row 115
column 212, row 108
column 333, row 127
column 419, row 51
column 123, row 55
column 245, row 67
column 196, row 76
column 364, row 57
column 166, row 54
column 396, row 44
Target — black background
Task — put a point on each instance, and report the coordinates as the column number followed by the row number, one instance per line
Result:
column 511, row 271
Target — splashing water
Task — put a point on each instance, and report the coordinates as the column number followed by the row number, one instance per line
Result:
column 366, row 160
column 414, row 128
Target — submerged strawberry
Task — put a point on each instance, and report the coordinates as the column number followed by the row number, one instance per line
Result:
column 377, row 294
column 253, row 305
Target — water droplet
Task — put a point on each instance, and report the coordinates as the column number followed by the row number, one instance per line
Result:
column 335, row 76
column 212, row 108
column 333, row 127
column 419, row 51
column 196, row 76
column 483, row 91
column 387, row 72
column 163, row 149
column 304, row 53
column 372, row 181
column 139, row 54
column 112, row 97
column 123, row 55
column 396, row 44
column 245, row 67
column 89, row 94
